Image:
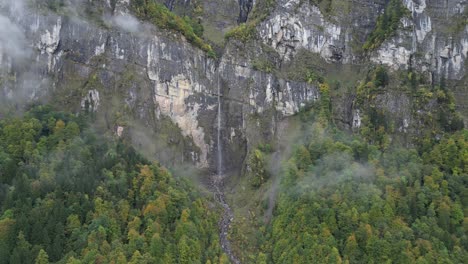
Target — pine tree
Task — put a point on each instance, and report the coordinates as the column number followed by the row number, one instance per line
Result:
column 303, row 159
column 22, row 252
column 42, row 257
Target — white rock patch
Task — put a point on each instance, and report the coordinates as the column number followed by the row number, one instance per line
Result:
column 392, row 55
column 91, row 101
column 171, row 100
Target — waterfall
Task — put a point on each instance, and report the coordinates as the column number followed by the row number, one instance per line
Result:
column 218, row 182
column 219, row 164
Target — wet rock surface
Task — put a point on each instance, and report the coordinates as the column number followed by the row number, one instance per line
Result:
column 226, row 218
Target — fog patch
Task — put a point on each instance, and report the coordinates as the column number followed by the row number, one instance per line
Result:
column 14, row 6
column 20, row 74
column 13, row 42
column 126, row 23
column 334, row 169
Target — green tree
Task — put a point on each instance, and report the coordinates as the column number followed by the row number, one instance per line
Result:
column 137, row 258
column 256, row 168
column 42, row 257
column 224, row 259
column 303, row 159
column 6, row 236
column 157, row 246
column 262, row 259
column 22, row 252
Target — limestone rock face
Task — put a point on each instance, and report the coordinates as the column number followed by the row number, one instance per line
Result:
column 431, row 39
column 425, row 41
column 302, row 26
column 296, row 25
column 140, row 81
column 422, row 41
column 149, row 75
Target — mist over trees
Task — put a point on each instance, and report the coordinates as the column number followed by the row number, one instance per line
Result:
column 345, row 200
column 68, row 195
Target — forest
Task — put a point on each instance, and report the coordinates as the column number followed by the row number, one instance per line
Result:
column 343, row 200
column 68, row 195
column 371, row 196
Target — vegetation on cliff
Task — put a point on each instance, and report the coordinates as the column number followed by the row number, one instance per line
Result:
column 387, row 24
column 247, row 31
column 321, row 195
column 162, row 17
column 244, row 32
column 362, row 197
column 433, row 106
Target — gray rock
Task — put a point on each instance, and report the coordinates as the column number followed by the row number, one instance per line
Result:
column 156, row 87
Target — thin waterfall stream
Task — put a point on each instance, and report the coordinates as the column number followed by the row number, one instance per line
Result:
column 218, row 183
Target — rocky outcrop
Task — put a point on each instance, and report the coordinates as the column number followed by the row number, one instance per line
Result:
column 431, row 40
column 428, row 39
column 306, row 29
column 296, row 25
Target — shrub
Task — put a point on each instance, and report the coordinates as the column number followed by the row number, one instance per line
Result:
column 246, row 31
column 256, row 168
column 387, row 24
column 243, row 32
column 263, row 65
column 381, row 76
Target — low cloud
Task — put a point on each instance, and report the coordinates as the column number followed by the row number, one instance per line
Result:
column 15, row 6
column 13, row 42
column 19, row 81
column 127, row 23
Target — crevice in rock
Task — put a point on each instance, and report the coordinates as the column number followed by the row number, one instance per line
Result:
column 245, row 7
column 169, row 4
column 113, row 4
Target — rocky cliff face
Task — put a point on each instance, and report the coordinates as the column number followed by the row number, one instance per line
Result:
column 431, row 39
column 134, row 80
column 427, row 39
column 152, row 87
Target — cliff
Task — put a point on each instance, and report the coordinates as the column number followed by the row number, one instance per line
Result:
column 157, row 90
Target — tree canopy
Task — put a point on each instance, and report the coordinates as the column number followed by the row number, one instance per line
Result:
column 71, row 196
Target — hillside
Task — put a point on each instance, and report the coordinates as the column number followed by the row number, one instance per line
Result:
column 267, row 131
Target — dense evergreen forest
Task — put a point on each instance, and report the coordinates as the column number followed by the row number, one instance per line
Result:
column 68, row 195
